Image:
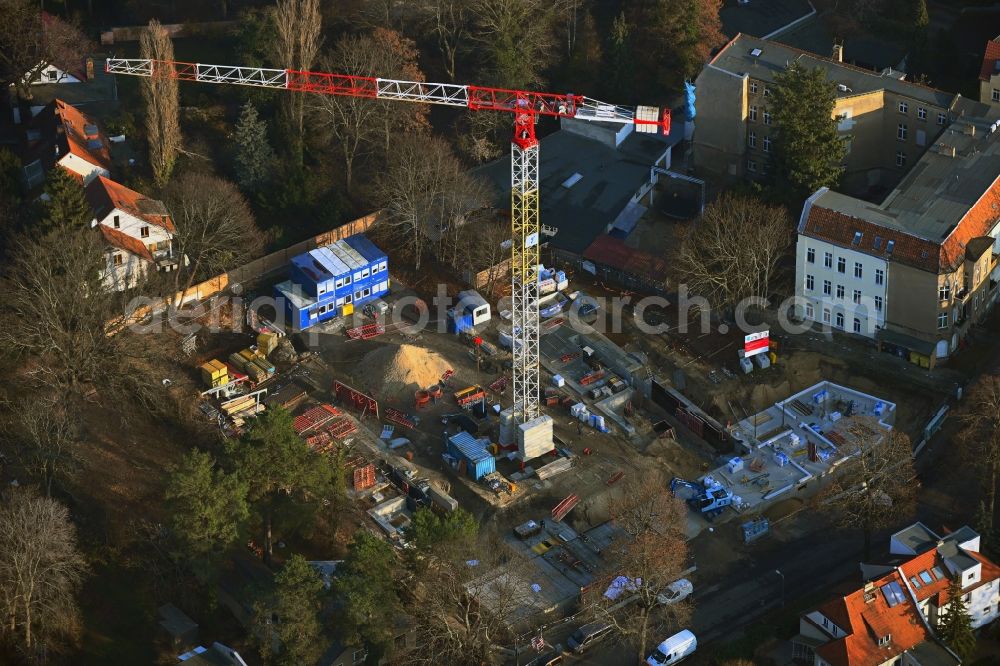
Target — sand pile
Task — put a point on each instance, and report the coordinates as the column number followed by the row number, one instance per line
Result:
column 404, row 369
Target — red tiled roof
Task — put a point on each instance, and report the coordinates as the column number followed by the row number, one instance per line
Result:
column 866, row 623
column 990, row 58
column 73, row 121
column 615, row 253
column 105, row 195
column 839, row 228
column 924, row 562
column 125, row 242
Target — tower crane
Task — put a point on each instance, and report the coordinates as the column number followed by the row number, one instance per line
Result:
column 526, row 106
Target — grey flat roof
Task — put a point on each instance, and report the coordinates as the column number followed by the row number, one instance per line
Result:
column 775, row 57
column 917, row 537
column 938, row 191
column 610, row 177
column 930, row 653
column 950, row 551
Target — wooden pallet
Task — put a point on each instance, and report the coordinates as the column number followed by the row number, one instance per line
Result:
column 398, row 417
column 366, row 332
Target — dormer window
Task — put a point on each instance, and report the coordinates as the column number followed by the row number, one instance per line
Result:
column 118, row 222
column 884, row 640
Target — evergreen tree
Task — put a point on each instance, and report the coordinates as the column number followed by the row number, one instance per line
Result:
column 808, row 150
column 430, row 530
column 67, row 207
column 983, row 522
column 619, row 57
column 207, row 507
column 366, row 586
column 295, row 604
column 916, row 12
column 254, row 156
column 955, row 627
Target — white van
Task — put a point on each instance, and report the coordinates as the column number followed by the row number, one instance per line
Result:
column 676, row 648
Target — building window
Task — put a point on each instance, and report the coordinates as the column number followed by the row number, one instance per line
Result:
column 767, row 91
column 828, row 259
column 753, row 114
column 857, row 296
column 347, row 280
column 339, row 284
column 826, row 315
column 857, row 325
column 382, row 266
column 858, row 269
column 943, row 320
column 921, row 113
column 143, row 232
column 767, row 144
column 944, row 291
column 903, row 107
column 878, row 304
column 996, row 95
column 901, row 131
column 884, row 640
column 357, row 295
column 970, row 575
column 942, row 118
column 811, row 255
column 857, row 238
column 841, row 265
column 752, row 139
column 810, row 313
column 347, row 299
column 751, row 166
column 840, row 320
column 366, row 292
column 753, row 88
column 900, row 158
column 879, row 276
column 840, row 291
column 364, row 274
column 767, row 117
column 117, row 259
column 810, row 282
column 827, row 287
column 118, row 222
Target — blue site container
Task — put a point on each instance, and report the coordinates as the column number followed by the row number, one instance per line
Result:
column 459, row 323
column 478, row 460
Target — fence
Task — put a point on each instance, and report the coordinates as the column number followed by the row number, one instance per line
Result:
column 249, row 272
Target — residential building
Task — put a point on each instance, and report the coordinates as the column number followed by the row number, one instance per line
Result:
column 891, row 620
column 594, row 179
column 333, row 280
column 888, row 122
column 61, row 134
column 935, row 560
column 989, row 74
column 919, row 268
column 138, row 232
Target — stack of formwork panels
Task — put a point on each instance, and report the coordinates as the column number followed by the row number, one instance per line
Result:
column 534, row 437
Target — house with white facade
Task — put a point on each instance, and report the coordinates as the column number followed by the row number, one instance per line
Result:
column 891, row 620
column 917, row 270
column 138, row 232
column 936, row 560
column 60, row 134
column 52, row 74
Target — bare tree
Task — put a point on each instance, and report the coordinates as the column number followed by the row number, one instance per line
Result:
column 215, row 227
column 516, row 37
column 425, row 192
column 733, row 249
column 876, row 486
column 642, row 563
column 47, row 439
column 41, row 571
column 30, row 42
column 464, row 602
column 450, row 23
column 479, row 246
column 358, row 125
column 299, row 25
column 980, row 436
column 59, row 316
column 159, row 92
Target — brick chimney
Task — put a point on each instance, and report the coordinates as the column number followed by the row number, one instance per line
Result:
column 90, row 69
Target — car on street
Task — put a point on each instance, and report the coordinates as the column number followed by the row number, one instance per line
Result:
column 587, row 635
column 676, row 592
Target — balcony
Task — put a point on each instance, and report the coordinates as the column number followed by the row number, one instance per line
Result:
column 165, row 260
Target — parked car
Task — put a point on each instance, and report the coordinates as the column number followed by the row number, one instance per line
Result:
column 676, row 592
column 584, row 637
column 678, row 647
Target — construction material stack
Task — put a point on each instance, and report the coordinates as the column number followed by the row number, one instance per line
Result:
column 214, row 373
column 534, row 438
